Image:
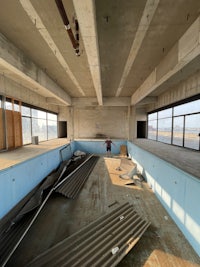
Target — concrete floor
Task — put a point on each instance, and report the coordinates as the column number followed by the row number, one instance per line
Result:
column 185, row 159
column 161, row 245
column 16, row 156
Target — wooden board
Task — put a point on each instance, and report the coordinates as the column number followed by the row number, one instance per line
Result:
column 10, row 129
column 2, row 145
column 17, row 128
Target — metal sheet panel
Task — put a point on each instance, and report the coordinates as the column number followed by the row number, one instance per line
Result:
column 104, row 242
column 72, row 186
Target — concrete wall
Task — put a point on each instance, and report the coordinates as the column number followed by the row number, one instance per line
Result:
column 12, row 89
column 109, row 121
column 177, row 191
column 183, row 90
column 17, row 181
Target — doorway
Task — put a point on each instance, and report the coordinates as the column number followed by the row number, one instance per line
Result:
column 141, row 129
column 62, row 129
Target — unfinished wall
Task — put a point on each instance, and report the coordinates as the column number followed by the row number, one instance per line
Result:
column 12, row 89
column 90, row 122
column 185, row 89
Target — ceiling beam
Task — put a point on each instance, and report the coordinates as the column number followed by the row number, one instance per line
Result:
column 37, row 21
column 86, row 15
column 148, row 100
column 107, row 101
column 148, row 13
column 170, row 72
column 54, row 101
column 21, row 69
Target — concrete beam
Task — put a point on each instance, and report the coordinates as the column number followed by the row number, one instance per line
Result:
column 15, row 65
column 148, row 13
column 108, row 101
column 187, row 54
column 54, row 101
column 148, row 100
column 86, row 15
column 33, row 15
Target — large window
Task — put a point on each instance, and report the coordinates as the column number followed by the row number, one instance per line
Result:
column 39, row 123
column 26, row 125
column 52, row 126
column 165, row 125
column 192, row 130
column 178, row 125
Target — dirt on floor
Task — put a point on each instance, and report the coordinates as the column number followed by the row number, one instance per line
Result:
column 161, row 245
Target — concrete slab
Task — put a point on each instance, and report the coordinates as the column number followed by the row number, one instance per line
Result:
column 185, row 159
column 12, row 157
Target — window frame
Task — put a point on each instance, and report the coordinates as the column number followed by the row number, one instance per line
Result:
column 33, row 118
column 186, row 115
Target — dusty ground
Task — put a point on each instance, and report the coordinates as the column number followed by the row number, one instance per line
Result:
column 161, row 245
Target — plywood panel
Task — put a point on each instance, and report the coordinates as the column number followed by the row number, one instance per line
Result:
column 17, row 128
column 2, row 146
column 10, row 129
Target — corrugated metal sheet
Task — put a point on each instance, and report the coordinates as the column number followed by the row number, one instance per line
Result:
column 9, row 238
column 102, row 243
column 12, row 236
column 72, row 186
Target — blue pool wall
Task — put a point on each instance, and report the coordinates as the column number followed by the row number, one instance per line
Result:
column 98, row 146
column 178, row 191
column 18, row 180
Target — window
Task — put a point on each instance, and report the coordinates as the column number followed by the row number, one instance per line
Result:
column 178, row 125
column 26, row 130
column 192, row 130
column 191, row 107
column 52, row 126
column 152, row 126
column 16, row 105
column 8, row 104
column 39, row 128
column 26, row 111
column 36, row 122
column 165, row 130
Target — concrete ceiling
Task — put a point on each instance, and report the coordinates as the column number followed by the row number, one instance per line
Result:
column 122, row 43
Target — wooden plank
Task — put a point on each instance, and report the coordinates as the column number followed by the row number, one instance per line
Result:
column 10, row 129
column 2, row 145
column 17, row 128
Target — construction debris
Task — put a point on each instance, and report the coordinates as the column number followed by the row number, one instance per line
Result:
column 11, row 236
column 112, row 204
column 71, row 186
column 98, row 243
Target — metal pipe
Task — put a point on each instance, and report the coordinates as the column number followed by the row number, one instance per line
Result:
column 64, row 17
